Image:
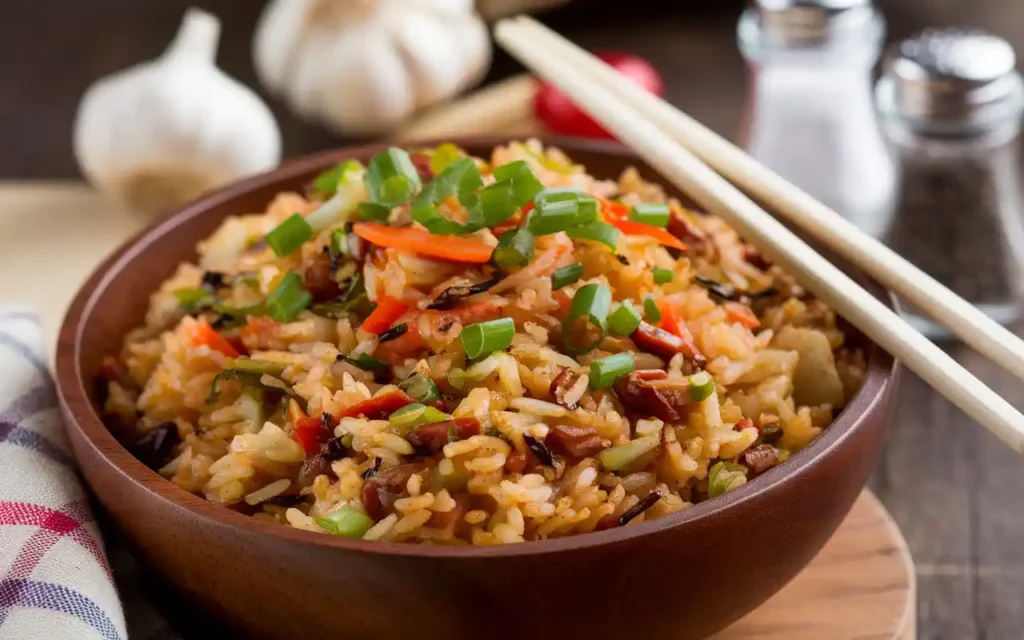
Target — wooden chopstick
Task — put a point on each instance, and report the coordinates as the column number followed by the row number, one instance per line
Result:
column 829, row 227
column 720, row 197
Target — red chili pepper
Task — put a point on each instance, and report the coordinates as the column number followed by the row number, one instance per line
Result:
column 388, row 310
column 307, row 432
column 671, row 322
column 378, row 408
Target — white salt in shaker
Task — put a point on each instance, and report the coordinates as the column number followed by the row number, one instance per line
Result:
column 951, row 102
column 810, row 115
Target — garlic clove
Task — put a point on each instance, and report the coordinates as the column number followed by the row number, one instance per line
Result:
column 162, row 132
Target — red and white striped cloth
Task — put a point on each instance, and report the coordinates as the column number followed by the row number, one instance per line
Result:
column 55, row 581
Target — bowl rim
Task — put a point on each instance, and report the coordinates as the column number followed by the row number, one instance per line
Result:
column 71, row 385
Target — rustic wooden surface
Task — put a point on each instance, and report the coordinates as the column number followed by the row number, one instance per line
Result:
column 956, row 493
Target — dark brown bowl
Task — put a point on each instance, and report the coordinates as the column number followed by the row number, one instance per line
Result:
column 682, row 576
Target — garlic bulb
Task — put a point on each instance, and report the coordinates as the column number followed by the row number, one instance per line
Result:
column 159, row 133
column 364, row 66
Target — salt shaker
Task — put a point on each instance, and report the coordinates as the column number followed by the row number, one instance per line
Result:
column 951, row 102
column 810, row 115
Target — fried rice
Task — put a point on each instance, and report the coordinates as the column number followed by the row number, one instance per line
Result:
column 626, row 360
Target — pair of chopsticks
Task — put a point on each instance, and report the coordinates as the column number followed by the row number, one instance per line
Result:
column 678, row 147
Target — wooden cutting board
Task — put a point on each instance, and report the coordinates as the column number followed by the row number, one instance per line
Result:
column 52, row 234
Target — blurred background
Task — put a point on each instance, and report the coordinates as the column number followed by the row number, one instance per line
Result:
column 53, row 49
column 955, row 492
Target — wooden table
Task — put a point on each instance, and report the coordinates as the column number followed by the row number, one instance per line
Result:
column 957, row 494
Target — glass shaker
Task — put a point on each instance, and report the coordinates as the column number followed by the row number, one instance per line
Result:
column 810, row 115
column 951, row 102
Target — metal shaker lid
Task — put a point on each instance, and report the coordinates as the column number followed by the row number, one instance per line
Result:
column 809, row 22
column 951, row 78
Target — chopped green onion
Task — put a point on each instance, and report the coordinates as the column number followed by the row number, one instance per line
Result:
column 483, row 338
column 338, row 245
column 346, row 440
column 592, row 301
column 566, row 275
column 373, row 212
column 408, row 415
column 193, row 299
column 725, row 476
column 461, row 178
column 288, row 299
column 604, row 372
column 624, row 320
column 515, row 249
column 420, row 388
column 587, row 210
column 326, row 183
column 430, row 415
column 364, row 362
column 662, row 276
column 289, row 235
column 597, row 232
column 557, row 194
column 620, row 457
column 391, row 177
column 702, row 385
column 443, row 156
column 250, row 365
column 651, row 311
column 495, row 203
column 348, row 522
column 525, row 185
column 552, row 217
column 655, row 214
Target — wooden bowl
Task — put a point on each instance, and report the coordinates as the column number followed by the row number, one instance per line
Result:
column 685, row 575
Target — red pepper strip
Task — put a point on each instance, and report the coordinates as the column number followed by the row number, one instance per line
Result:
column 204, row 334
column 671, row 322
column 307, row 433
column 378, row 408
column 388, row 310
column 616, row 214
column 743, row 424
column 742, row 314
column 452, row 248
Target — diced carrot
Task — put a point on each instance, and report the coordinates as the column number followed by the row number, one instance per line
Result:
column 204, row 334
column 671, row 322
column 378, row 408
column 388, row 310
column 452, row 248
column 742, row 314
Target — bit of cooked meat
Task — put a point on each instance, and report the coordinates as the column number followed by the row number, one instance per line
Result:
column 381, row 491
column 431, row 438
column 447, row 520
column 663, row 344
column 690, row 235
column 318, row 279
column 756, row 258
column 574, row 442
column 650, row 393
column 759, row 459
column 318, row 465
column 562, row 384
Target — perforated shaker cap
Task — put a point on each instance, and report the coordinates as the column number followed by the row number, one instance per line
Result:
column 951, row 79
column 808, row 22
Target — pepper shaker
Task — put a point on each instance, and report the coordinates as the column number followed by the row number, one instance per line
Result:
column 951, row 102
column 810, row 115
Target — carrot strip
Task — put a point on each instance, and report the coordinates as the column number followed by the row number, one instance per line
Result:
column 742, row 314
column 451, row 248
column 204, row 334
column 388, row 310
column 671, row 322
column 615, row 213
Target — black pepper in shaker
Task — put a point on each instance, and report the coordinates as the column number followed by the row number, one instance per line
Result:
column 951, row 102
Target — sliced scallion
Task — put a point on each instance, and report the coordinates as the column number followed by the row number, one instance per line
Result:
column 287, row 299
column 194, row 299
column 596, row 232
column 624, row 320
column 604, row 372
column 655, row 214
column 662, row 276
column 724, row 476
column 553, row 216
column 420, row 388
column 566, row 275
column 591, row 302
column 391, row 177
column 289, row 235
column 408, row 415
column 443, row 156
column 364, row 362
column 702, row 385
column 461, row 178
column 374, row 212
column 525, row 186
column 348, row 522
column 338, row 245
column 515, row 249
column 651, row 311
column 327, row 182
column 495, row 203
column 483, row 338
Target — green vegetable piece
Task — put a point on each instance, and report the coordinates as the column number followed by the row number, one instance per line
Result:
column 725, row 476
column 604, row 372
column 288, row 299
column 326, row 184
column 591, row 302
column 515, row 249
column 525, row 185
column 566, row 275
column 194, row 299
column 495, row 204
column 391, row 177
column 348, row 522
column 624, row 320
column 662, row 276
column 289, row 235
column 420, row 388
column 655, row 214
column 620, row 457
column 443, row 156
column 651, row 311
column 601, row 232
column 702, row 385
column 483, row 338
column 461, row 178
column 408, row 415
